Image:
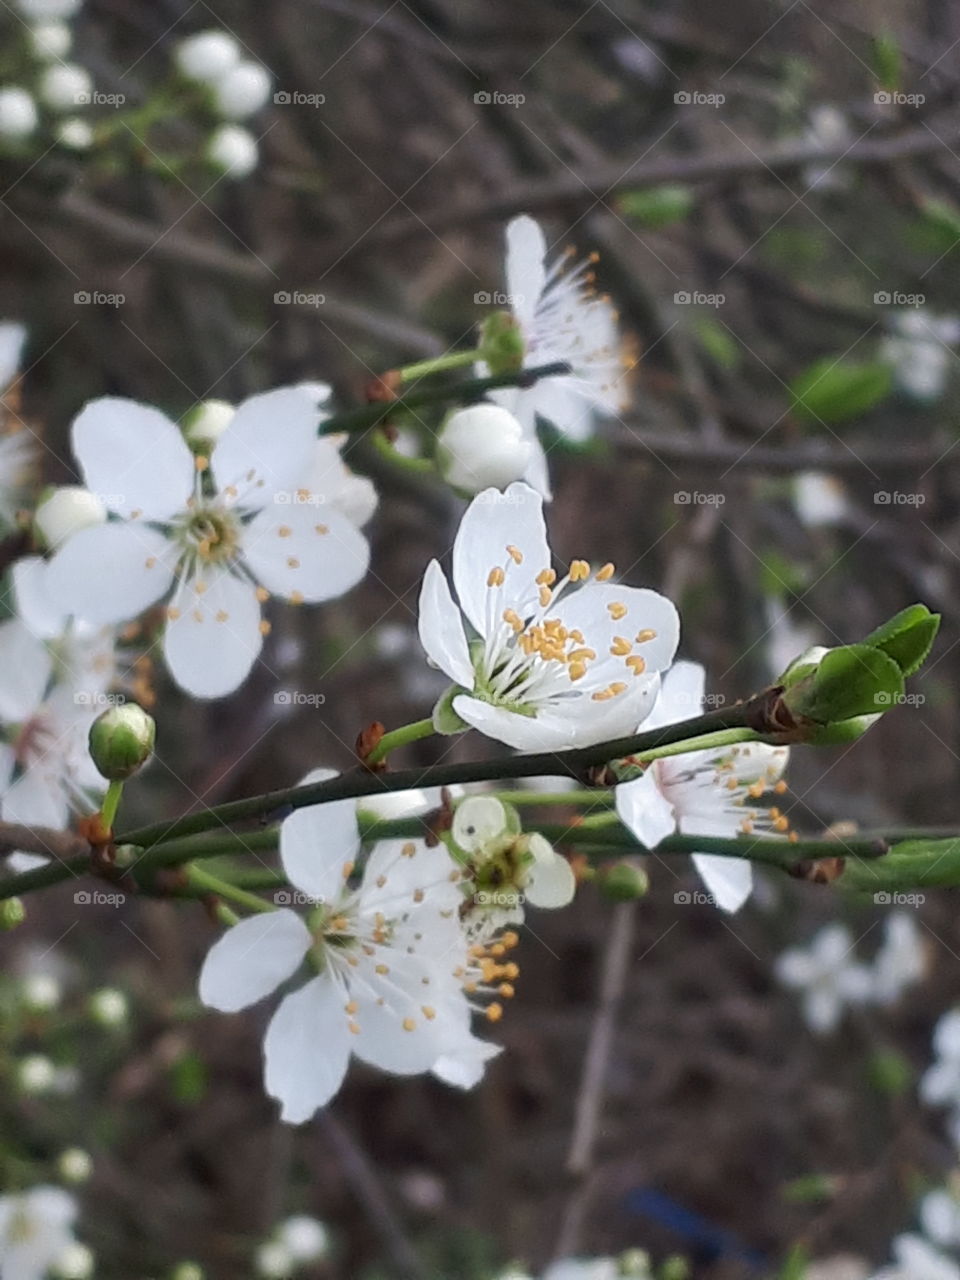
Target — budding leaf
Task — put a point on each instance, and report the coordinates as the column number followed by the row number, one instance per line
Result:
column 854, row 680
column 907, row 637
column 835, row 390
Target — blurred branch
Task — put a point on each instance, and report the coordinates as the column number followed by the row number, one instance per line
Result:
column 850, row 456
column 63, row 845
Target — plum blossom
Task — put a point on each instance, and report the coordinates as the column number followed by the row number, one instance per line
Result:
column 559, row 317
column 915, row 1259
column 550, row 663
column 384, row 955
column 827, row 975
column 706, row 793
column 36, row 1229
column 940, row 1083
column 222, row 536
column 480, row 446
column 901, row 961
column 940, row 1217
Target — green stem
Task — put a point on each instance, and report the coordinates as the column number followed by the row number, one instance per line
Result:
column 709, row 741
column 416, row 466
column 197, row 878
column 399, row 738
column 452, row 360
column 111, row 802
column 368, row 415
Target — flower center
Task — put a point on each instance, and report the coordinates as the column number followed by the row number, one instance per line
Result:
column 208, row 535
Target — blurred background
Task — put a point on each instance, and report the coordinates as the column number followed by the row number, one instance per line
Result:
column 773, row 190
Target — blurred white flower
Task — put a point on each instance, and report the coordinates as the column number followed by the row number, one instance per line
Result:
column 704, row 793
column 583, row 1269
column 12, row 338
column 49, row 10
column 480, row 446
column 919, row 352
column 819, row 499
column 109, row 1007
column 828, row 128
column 560, row 318
column 18, row 113
column 901, row 961
column 76, row 1262
column 550, row 665
column 40, row 992
column 36, row 1228
column 273, row 1262
column 384, row 956
column 242, row 91
column 915, row 1259
column 210, row 533
column 827, row 975
column 65, row 86
column 36, row 1074
column 51, row 40
column 66, row 511
column 233, row 150
column 207, row 56
column 304, row 1238
column 75, row 1165
column 940, row 1218
column 940, row 1083
column 77, row 135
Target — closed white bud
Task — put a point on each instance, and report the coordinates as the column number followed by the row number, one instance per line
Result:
column 18, row 113
column 187, row 1271
column 75, row 1263
column 480, row 446
column 75, row 1165
column 304, row 1238
column 67, row 511
column 75, row 134
column 207, row 56
column 243, row 91
column 109, row 1007
column 40, row 992
column 36, row 1074
column 204, row 425
column 233, row 150
column 51, row 40
column 65, row 86
column 273, row 1261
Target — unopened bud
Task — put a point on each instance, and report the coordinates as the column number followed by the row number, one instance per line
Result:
column 482, row 446
column 121, row 741
column 12, row 913
column 66, row 511
column 75, row 1165
column 624, row 882
column 205, row 424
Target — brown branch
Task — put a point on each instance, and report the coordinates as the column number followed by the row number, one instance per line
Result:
column 62, row 845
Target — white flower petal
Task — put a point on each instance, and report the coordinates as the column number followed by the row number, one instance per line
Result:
column 729, row 880
column 681, row 695
column 491, row 523
column 12, row 338
column 214, row 638
column 297, row 550
column 307, row 1049
column 26, row 667
column 38, row 798
column 644, row 808
column 463, row 1064
column 112, row 572
column 441, row 628
column 317, row 842
column 266, row 448
column 592, row 609
column 384, row 1040
column 252, row 959
column 526, row 276
column 36, row 608
column 550, row 881
column 133, row 458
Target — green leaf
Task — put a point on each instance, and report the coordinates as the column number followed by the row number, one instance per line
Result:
column 810, row 1188
column 717, row 342
column 907, row 637
column 887, row 62
column 890, row 1072
column 795, row 1264
column 836, row 390
column 854, row 680
column 657, row 206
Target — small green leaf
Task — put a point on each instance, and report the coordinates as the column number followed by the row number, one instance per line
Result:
column 657, row 206
column 887, row 62
column 854, row 680
column 836, row 390
column 717, row 342
column 907, row 637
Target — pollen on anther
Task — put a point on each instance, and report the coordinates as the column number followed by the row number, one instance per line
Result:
column 494, row 1012
column 197, row 615
column 284, row 531
column 409, row 1024
column 636, row 664
column 150, row 562
column 496, row 577
column 293, row 562
column 616, row 610
column 428, row 1012
column 515, row 554
column 295, row 597
column 546, row 595
column 264, row 627
column 643, row 636
column 351, row 1007
column 546, row 578
column 173, row 614
column 620, row 647
column 222, row 615
column 262, row 594
column 321, row 528
column 606, row 573
column 409, row 849
column 579, row 570
column 383, row 970
column 354, row 1028
column 347, row 870
column 201, row 462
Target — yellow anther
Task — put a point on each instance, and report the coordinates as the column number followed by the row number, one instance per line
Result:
column 495, row 578
column 620, row 647
column 295, row 597
column 200, row 587
column 494, row 1012
column 515, row 554
column 781, row 824
column 546, row 578
column 617, row 688
column 428, row 1012
column 636, row 664
column 293, row 562
column 383, row 970
column 582, row 655
column 351, row 1008
column 409, row 1024
column 513, row 619
column 418, row 895
column 511, row 971
column 284, row 531
column 643, row 636
column 505, row 990
column 731, row 784
column 222, row 615
column 265, row 627
column 756, row 790
column 606, row 573
column 321, row 529
column 200, row 462
column 409, row 849
column 546, row 595
column 262, row 594
column 579, row 570
column 510, row 939
column 354, row 1028
column 577, row 637
column 172, row 614
column 197, row 615
column 498, row 949
column 150, row 562
column 577, row 671
column 231, row 491
column 347, row 870
column 780, row 787
column 746, row 827
column 616, row 610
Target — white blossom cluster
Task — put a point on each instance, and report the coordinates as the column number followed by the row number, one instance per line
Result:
column 237, row 88
column 55, row 92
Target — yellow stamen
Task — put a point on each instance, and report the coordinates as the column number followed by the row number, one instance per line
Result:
column 495, row 578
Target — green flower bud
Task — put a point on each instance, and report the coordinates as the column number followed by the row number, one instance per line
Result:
column 855, row 680
column 121, row 741
column 624, row 882
column 12, row 913
column 501, row 343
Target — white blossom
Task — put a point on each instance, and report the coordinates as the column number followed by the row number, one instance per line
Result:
column 918, row 351
column 208, row 56
column 76, row 134
column 36, row 1074
column 559, row 318
column 109, row 1007
column 940, row 1217
column 36, row 1228
column 64, row 86
column 242, row 91
column 901, row 961
column 12, row 339
column 273, row 1261
column 233, row 150
column 915, row 1259
column 482, row 446
column 51, row 40
column 76, row 1262
column 75, row 1165
column 330, row 482
column 18, row 113
column 550, row 664
column 705, row 793
column 304, row 1238
column 827, row 975
column 940, row 1083
column 49, row 10
column 66, row 511
column 40, row 992
column 207, row 422
column 820, row 499
column 211, row 542
column 383, row 955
